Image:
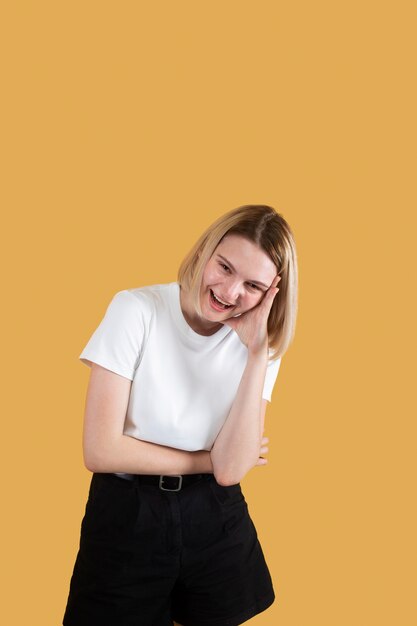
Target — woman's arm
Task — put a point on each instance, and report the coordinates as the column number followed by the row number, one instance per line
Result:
column 107, row 449
column 236, row 449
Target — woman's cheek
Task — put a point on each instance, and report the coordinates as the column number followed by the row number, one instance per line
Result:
column 258, row 299
column 214, row 276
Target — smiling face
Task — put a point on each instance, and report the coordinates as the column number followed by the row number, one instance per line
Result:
column 238, row 274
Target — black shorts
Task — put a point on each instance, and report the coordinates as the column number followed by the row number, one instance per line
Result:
column 148, row 557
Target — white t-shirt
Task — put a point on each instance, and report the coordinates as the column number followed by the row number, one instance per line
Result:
column 183, row 383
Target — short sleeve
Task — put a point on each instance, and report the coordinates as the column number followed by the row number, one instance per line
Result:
column 270, row 378
column 118, row 341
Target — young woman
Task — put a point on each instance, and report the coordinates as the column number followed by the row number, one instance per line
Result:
column 181, row 374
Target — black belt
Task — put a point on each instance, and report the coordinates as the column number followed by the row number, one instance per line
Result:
column 167, row 483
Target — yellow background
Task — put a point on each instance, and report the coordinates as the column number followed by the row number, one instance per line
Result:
column 127, row 128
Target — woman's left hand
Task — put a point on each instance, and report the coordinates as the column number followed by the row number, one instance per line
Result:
column 252, row 325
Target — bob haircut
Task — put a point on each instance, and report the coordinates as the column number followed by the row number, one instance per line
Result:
column 265, row 227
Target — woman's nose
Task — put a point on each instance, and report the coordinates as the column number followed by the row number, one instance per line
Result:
column 233, row 291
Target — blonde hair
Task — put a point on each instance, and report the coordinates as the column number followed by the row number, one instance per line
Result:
column 265, row 227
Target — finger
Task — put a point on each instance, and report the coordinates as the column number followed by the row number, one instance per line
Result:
column 276, row 280
column 269, row 298
column 261, row 461
column 264, row 450
column 264, row 440
column 273, row 289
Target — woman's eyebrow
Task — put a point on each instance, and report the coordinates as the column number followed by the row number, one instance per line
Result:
column 232, row 268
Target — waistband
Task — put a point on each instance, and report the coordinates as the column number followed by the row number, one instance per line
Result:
column 166, row 483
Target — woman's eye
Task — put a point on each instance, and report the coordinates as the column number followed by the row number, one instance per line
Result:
column 253, row 286
column 225, row 267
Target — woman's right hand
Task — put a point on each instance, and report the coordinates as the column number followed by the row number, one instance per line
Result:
column 263, row 450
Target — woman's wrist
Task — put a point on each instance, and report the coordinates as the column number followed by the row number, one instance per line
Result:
column 259, row 354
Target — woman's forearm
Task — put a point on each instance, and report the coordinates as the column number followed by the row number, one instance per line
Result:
column 236, row 448
column 133, row 456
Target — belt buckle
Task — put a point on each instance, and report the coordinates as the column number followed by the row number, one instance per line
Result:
column 161, row 482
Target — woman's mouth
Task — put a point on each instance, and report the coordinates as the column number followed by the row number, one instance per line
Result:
column 218, row 304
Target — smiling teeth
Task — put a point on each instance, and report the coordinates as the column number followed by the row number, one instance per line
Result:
column 221, row 301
